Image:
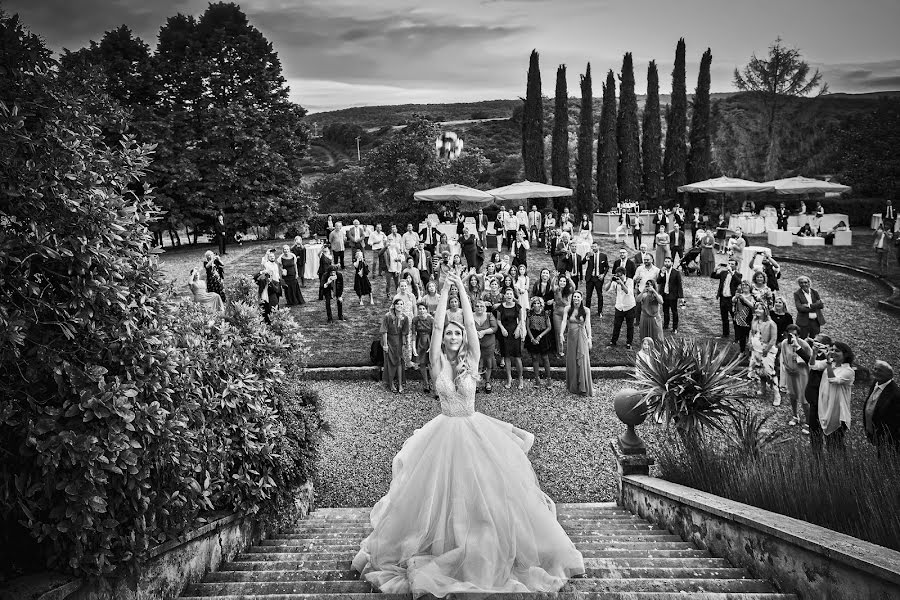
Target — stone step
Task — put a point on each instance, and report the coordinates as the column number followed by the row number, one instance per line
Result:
column 624, row 595
column 302, row 546
column 265, row 572
column 580, row 585
column 365, row 527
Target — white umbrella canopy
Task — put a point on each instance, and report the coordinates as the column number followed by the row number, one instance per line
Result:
column 529, row 189
column 453, row 192
column 725, row 185
column 806, row 185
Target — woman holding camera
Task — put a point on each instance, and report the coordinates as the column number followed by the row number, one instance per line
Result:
column 794, row 366
column 650, row 302
column 834, row 395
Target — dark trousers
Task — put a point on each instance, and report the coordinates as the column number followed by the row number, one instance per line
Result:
column 340, row 307
column 694, row 235
column 355, row 247
column 267, row 307
column 379, row 265
column 741, row 335
column 676, row 251
column 725, row 308
column 636, row 238
column 221, row 239
column 782, row 224
column 628, row 317
column 670, row 304
column 591, row 284
column 339, row 258
column 391, row 278
column 510, row 238
column 811, row 329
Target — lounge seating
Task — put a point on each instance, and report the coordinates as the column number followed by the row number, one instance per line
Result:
column 809, row 241
column 843, row 238
column 778, row 237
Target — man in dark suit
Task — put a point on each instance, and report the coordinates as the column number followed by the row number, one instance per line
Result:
column 625, row 263
column 881, row 412
column 334, row 288
column 729, row 279
column 220, row 232
column 520, row 249
column 782, row 217
column 639, row 256
column 573, row 264
column 595, row 276
column 422, row 261
column 889, row 217
column 669, row 284
column 676, row 242
column 429, row 236
column 810, row 317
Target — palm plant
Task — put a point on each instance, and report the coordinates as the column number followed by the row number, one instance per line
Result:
column 751, row 435
column 693, row 385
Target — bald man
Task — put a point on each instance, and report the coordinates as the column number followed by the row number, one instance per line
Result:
column 881, row 412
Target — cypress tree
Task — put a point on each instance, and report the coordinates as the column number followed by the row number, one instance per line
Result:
column 607, row 150
column 628, row 136
column 651, row 137
column 559, row 157
column 584, row 165
column 533, row 125
column 701, row 152
column 675, row 159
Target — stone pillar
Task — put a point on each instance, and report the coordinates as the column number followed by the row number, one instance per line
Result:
column 628, row 449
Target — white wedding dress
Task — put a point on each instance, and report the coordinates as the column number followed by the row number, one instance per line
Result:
column 464, row 512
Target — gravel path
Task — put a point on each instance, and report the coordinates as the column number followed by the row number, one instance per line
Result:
column 369, row 425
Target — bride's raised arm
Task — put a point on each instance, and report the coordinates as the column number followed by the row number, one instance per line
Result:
column 437, row 330
column 474, row 348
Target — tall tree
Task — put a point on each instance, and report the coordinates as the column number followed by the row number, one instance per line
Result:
column 559, row 158
column 628, row 135
column 701, row 149
column 675, row 159
column 651, row 139
column 533, row 125
column 584, row 164
column 607, row 149
column 782, row 74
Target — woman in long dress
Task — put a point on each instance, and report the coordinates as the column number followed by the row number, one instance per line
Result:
column 662, row 246
column 464, row 512
column 707, row 254
column 577, row 334
column 763, row 340
column 361, row 284
column 200, row 295
column 289, row 271
column 562, row 294
column 650, row 302
column 215, row 273
column 409, row 309
column 395, row 328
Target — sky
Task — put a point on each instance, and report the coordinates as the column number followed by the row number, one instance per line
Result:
column 342, row 53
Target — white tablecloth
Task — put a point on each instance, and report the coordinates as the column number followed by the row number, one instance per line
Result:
column 876, row 221
column 749, row 224
column 313, row 253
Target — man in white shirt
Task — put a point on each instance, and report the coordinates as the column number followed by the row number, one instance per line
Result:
column 510, row 226
column 481, row 225
column 377, row 241
column 356, row 240
column 534, row 224
column 410, row 239
column 522, row 219
column 336, row 240
column 625, row 306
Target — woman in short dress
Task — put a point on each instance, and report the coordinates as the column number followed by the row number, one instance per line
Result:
column 539, row 339
column 290, row 282
column 443, row 246
column 486, row 325
column 511, row 318
column 707, row 253
column 650, row 302
column 577, row 335
column 215, row 274
column 361, row 284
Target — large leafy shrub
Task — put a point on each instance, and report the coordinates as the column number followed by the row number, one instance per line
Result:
column 123, row 415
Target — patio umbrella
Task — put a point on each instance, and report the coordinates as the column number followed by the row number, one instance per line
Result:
column 453, row 192
column 529, row 189
column 806, row 185
column 726, row 185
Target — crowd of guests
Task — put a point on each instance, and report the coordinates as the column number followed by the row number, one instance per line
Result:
column 548, row 312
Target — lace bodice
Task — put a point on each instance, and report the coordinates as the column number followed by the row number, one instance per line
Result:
column 456, row 400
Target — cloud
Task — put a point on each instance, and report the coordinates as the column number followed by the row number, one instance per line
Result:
column 862, row 77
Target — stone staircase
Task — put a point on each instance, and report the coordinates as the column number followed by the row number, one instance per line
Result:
column 625, row 557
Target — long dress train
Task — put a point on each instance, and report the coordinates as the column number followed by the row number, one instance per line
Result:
column 464, row 512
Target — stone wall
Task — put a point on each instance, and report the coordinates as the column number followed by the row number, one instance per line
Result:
column 813, row 562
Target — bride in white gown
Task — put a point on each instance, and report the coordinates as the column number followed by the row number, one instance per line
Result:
column 464, row 512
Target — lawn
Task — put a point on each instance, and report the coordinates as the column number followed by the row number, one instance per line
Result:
column 851, row 307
